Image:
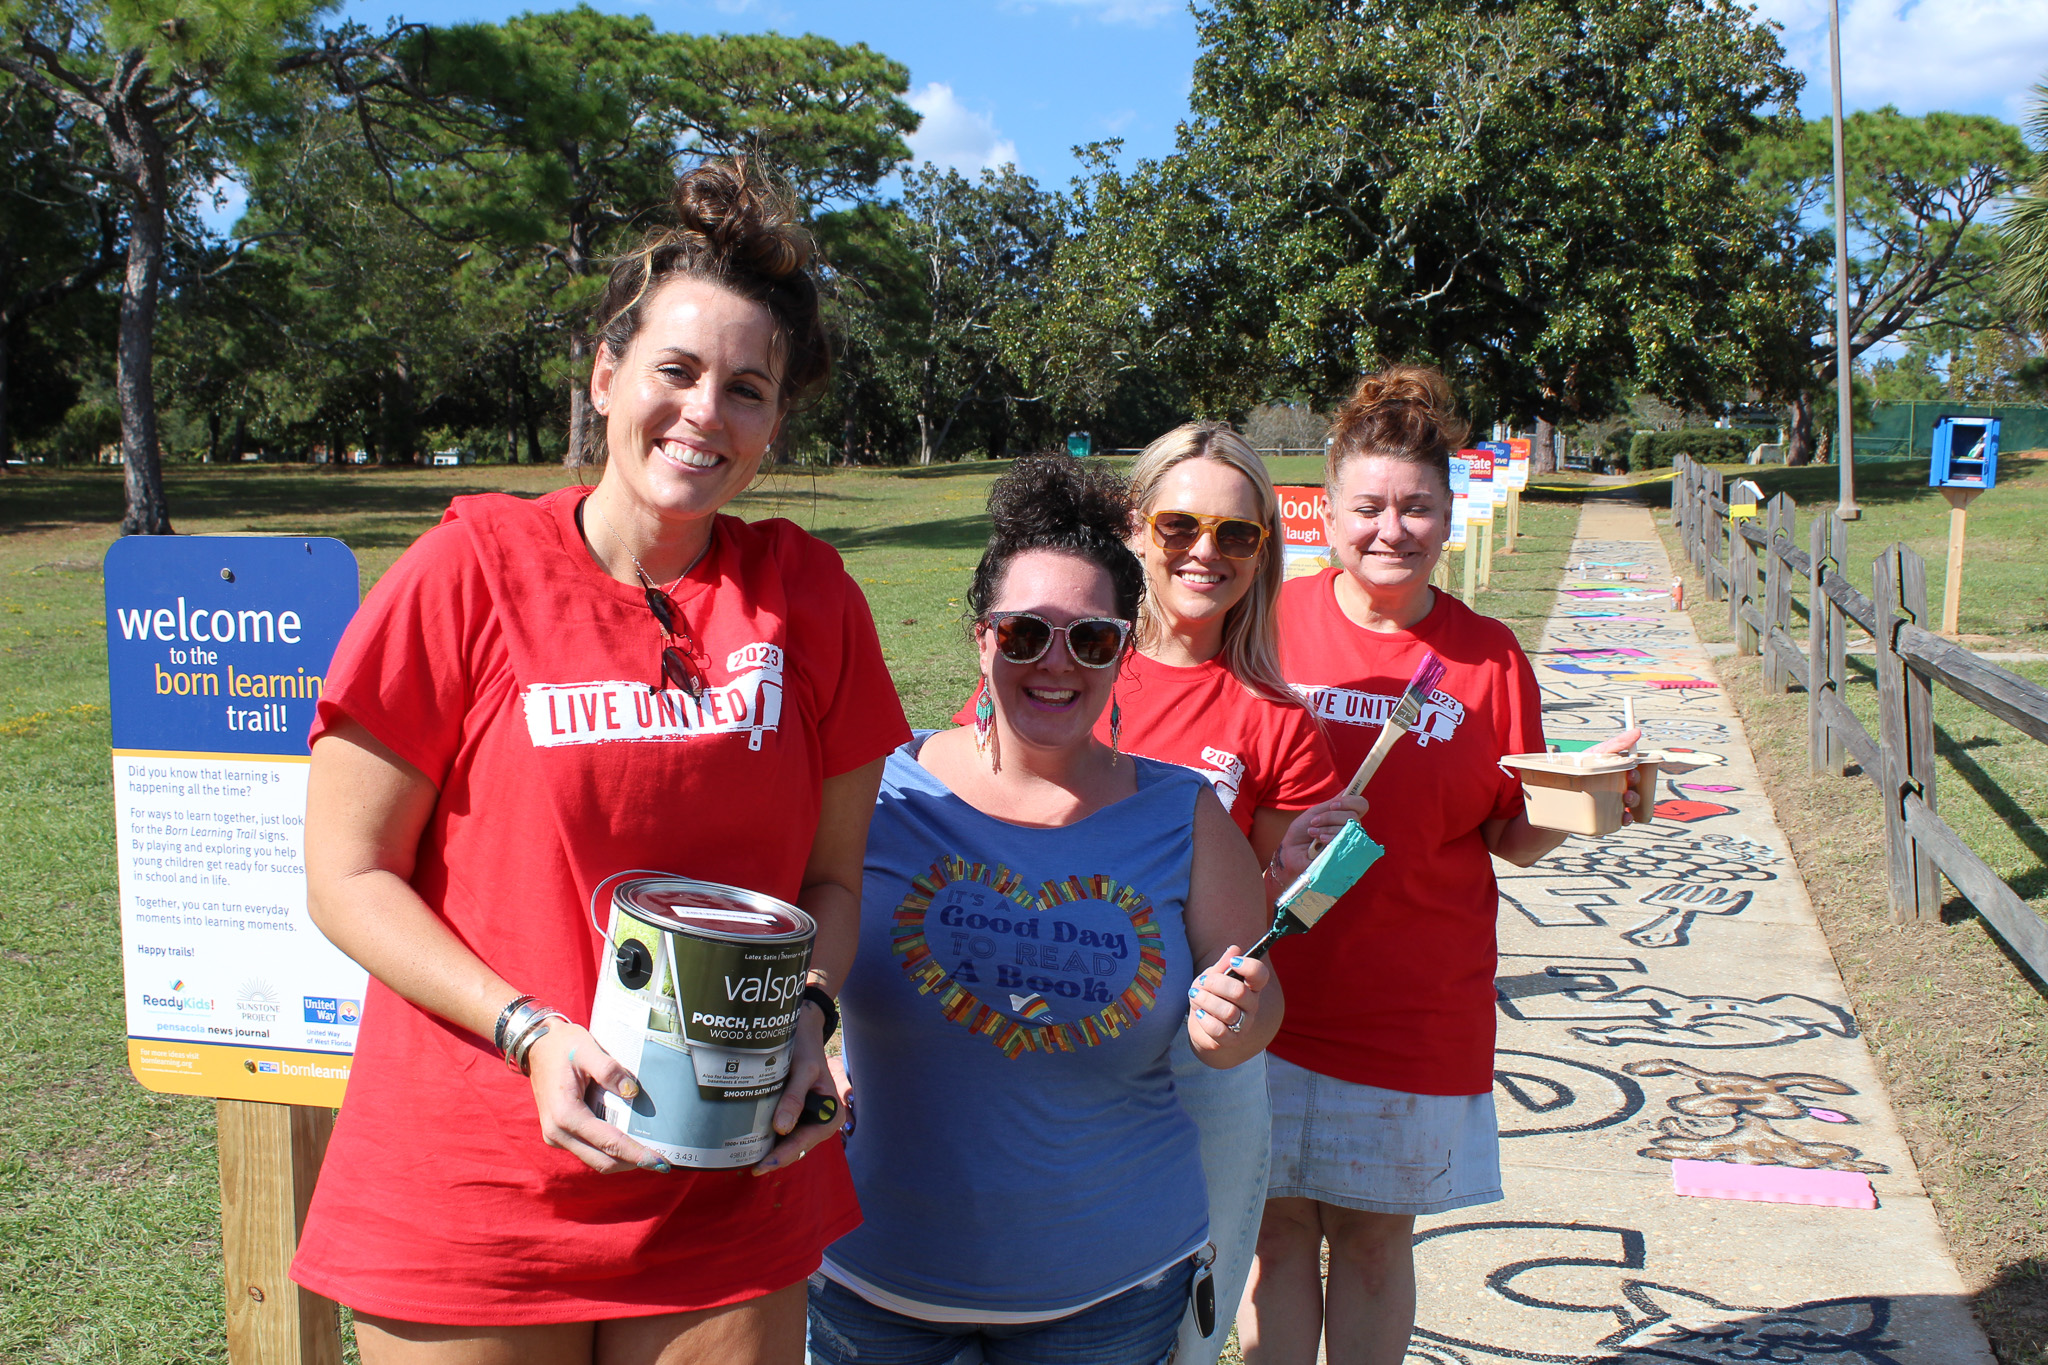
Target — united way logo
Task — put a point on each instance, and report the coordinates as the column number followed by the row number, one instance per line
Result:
column 1061, row 966
column 329, row 1009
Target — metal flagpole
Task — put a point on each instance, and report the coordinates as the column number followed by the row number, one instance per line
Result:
column 1845, row 441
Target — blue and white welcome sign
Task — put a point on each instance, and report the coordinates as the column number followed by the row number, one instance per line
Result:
column 217, row 652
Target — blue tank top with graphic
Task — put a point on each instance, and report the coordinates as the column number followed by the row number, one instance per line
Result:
column 1009, row 1021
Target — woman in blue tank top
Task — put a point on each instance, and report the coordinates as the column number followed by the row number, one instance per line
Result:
column 1041, row 917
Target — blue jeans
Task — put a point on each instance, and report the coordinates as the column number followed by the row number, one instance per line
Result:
column 1137, row 1327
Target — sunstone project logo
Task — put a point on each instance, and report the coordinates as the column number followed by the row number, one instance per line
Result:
column 177, row 999
column 256, row 1002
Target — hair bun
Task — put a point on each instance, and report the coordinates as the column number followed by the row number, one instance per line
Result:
column 1404, row 410
column 743, row 216
column 1045, row 497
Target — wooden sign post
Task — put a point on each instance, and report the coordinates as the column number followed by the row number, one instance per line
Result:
column 217, row 649
column 1479, row 517
column 1959, row 500
column 269, row 1158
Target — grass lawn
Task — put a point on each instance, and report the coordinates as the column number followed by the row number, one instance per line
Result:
column 2005, row 565
column 109, row 1202
column 1959, row 1032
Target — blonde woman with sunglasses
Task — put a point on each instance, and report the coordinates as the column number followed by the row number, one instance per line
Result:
column 1044, row 920
column 1204, row 690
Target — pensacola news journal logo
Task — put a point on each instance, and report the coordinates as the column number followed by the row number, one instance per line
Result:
column 330, row 1009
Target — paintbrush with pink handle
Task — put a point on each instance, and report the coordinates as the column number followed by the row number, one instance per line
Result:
column 1407, row 712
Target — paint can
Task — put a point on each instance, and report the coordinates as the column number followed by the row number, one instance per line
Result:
column 698, row 996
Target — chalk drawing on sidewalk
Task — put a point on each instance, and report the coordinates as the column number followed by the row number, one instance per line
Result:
column 1684, row 810
column 1569, row 1287
column 1666, row 1018
column 1537, row 1095
column 1732, row 1119
column 1675, row 906
column 1695, row 859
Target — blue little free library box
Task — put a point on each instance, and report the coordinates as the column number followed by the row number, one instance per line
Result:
column 1965, row 453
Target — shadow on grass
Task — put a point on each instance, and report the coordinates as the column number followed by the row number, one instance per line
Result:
column 965, row 469
column 954, row 533
column 2014, row 1306
column 41, row 501
column 2011, row 813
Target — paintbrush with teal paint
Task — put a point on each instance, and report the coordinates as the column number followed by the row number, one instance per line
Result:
column 1338, row 867
column 1335, row 870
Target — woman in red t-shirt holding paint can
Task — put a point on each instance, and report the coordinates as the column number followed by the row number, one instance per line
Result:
column 541, row 695
column 1381, row 1077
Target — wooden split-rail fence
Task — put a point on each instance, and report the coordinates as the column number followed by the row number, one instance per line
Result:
column 1749, row 560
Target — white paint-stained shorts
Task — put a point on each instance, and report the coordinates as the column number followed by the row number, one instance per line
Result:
column 1381, row 1151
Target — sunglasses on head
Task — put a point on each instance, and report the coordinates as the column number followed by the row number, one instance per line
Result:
column 1236, row 537
column 1092, row 641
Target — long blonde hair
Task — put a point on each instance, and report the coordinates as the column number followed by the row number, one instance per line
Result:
column 1251, row 630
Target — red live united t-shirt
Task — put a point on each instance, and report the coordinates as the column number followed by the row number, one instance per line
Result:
column 497, row 659
column 1256, row 753
column 1394, row 987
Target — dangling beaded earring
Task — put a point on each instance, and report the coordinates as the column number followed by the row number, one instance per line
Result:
column 985, row 725
column 1116, row 726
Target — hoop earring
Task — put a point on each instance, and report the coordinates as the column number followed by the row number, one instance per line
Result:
column 985, row 726
column 1116, row 726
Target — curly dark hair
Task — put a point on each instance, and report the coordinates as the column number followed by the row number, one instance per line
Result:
column 1055, row 502
column 736, row 229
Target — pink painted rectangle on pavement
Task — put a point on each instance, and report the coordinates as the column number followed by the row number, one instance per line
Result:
column 1772, row 1184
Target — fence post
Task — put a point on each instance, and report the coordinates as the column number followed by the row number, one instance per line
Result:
column 1678, row 498
column 1819, row 615
column 1717, row 530
column 1695, row 509
column 1838, row 641
column 1906, row 734
column 1741, row 574
column 1777, row 592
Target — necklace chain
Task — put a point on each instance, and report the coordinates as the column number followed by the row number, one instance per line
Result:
column 646, row 580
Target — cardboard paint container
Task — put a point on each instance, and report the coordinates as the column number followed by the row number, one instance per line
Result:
column 699, row 997
column 1577, row 793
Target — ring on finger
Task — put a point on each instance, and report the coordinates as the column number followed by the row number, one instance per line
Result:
column 1238, row 1026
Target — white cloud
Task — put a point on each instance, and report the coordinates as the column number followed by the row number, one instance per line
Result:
column 954, row 136
column 1971, row 56
column 1143, row 13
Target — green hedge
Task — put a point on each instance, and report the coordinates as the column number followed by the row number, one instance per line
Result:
column 1712, row 445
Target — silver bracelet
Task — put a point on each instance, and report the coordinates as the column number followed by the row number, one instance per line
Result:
column 505, row 1017
column 1275, row 867
column 526, row 1024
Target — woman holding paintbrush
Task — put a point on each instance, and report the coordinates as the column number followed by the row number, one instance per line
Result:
column 1381, row 1077
column 1201, row 688
column 1043, row 916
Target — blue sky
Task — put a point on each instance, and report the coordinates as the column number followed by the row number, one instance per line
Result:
column 1026, row 80
column 996, row 80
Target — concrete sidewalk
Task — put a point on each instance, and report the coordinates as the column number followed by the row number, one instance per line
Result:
column 1666, row 992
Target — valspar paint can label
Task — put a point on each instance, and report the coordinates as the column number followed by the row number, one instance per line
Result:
column 699, row 997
